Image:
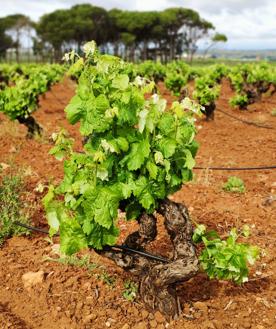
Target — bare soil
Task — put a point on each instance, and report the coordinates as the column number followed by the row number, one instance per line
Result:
column 72, row 297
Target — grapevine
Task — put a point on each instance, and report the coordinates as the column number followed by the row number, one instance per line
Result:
column 136, row 153
column 250, row 83
column 20, row 99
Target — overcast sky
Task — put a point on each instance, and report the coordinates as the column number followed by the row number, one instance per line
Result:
column 248, row 24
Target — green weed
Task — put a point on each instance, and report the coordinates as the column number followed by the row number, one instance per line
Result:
column 234, row 184
column 130, row 290
column 11, row 207
column 108, row 279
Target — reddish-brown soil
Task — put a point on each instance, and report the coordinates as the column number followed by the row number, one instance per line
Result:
column 74, row 297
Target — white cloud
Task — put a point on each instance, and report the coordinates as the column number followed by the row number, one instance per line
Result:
column 247, row 23
column 218, row 6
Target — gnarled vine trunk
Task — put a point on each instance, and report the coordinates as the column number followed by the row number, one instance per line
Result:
column 32, row 125
column 209, row 111
column 158, row 280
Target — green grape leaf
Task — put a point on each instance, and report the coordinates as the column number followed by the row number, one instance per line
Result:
column 138, row 153
column 190, row 162
column 72, row 238
column 74, row 110
column 120, row 82
column 153, row 169
column 167, row 146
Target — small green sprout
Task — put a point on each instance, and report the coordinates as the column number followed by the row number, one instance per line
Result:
column 234, row 184
column 130, row 291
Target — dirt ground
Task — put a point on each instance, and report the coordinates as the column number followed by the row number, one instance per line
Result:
column 72, row 297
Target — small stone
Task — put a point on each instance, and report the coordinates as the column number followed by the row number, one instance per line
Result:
column 145, row 314
column 201, row 306
column 108, row 324
column 159, row 317
column 191, row 209
column 31, row 279
column 58, row 308
column 4, row 165
column 12, row 149
column 153, row 323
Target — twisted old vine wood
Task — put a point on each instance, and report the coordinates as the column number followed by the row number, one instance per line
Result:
column 158, row 281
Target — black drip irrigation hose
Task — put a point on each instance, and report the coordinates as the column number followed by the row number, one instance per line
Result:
column 141, row 253
column 258, row 125
column 236, row 168
column 121, row 247
column 32, row 228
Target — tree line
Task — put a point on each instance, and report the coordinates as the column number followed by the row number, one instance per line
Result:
column 133, row 35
